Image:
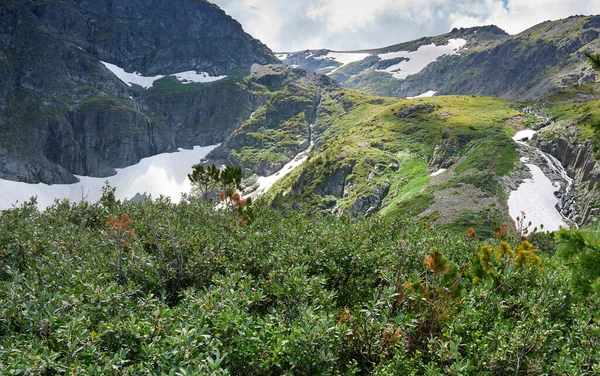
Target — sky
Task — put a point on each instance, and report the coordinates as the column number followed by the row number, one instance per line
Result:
column 294, row 25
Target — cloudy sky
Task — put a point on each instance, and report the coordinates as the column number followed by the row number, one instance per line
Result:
column 292, row 25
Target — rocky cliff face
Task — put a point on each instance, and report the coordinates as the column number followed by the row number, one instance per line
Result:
column 63, row 113
column 579, row 160
column 155, row 36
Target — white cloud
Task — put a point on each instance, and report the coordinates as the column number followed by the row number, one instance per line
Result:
column 359, row 24
column 520, row 15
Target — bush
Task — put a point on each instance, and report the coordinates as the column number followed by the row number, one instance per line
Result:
column 286, row 294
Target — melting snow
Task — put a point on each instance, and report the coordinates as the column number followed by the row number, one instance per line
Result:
column 438, row 172
column 266, row 182
column 193, row 76
column 343, row 57
column 524, row 135
column 430, row 93
column 420, row 58
column 535, row 198
column 147, row 82
column 131, row 78
column 163, row 174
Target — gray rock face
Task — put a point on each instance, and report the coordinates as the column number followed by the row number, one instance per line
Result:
column 370, row 204
column 581, row 165
column 63, row 113
column 308, row 60
column 335, row 183
column 155, row 36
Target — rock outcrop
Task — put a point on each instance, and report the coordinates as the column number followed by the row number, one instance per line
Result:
column 283, row 127
column 579, row 160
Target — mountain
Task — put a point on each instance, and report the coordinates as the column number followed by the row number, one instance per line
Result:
column 451, row 161
column 63, row 110
column 480, row 60
column 92, row 87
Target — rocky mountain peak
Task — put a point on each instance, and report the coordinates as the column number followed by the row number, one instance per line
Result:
column 154, row 37
column 479, row 32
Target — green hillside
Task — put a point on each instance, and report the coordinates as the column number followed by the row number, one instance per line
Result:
column 376, row 155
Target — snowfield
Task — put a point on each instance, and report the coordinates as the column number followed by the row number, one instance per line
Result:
column 343, row 58
column 147, row 82
column 438, row 172
column 535, row 197
column 524, row 135
column 131, row 78
column 163, row 174
column 420, row 58
column 190, row 77
column 428, row 94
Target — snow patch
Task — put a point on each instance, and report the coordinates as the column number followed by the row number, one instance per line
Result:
column 524, row 135
column 428, row 94
column 420, row 58
column 131, row 78
column 147, row 82
column 282, row 56
column 536, row 200
column 163, row 174
column 196, row 77
column 343, row 57
column 438, row 172
column 266, row 182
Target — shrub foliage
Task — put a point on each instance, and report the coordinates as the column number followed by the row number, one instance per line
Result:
column 181, row 289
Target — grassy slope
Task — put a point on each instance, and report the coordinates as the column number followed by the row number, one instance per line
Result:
column 385, row 141
column 580, row 104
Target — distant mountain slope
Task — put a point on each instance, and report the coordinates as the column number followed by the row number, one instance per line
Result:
column 481, row 60
column 63, row 112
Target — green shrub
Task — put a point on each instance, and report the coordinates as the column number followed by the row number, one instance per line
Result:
column 286, row 294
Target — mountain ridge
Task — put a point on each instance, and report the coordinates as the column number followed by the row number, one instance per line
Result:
column 553, row 59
